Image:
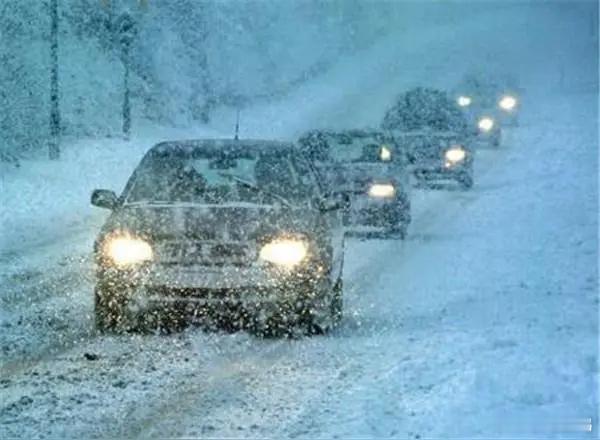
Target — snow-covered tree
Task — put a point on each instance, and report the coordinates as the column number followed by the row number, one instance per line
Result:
column 188, row 56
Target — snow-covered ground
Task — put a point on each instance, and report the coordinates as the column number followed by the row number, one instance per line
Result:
column 484, row 323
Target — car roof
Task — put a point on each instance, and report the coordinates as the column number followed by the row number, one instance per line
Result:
column 414, row 133
column 364, row 132
column 231, row 146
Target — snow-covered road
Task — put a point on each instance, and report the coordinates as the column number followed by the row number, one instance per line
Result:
column 483, row 323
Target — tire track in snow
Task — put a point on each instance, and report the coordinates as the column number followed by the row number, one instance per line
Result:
column 225, row 377
column 47, row 317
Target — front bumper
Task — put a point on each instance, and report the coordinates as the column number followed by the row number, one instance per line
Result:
column 155, row 286
column 441, row 171
column 364, row 210
column 487, row 137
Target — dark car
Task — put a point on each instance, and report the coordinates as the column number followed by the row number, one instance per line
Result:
column 368, row 172
column 438, row 156
column 435, row 135
column 485, row 125
column 235, row 227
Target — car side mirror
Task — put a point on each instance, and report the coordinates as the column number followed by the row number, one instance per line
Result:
column 104, row 198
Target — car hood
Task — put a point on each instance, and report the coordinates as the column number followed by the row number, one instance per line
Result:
column 226, row 222
column 357, row 176
column 430, row 147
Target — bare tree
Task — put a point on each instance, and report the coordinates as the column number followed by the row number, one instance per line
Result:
column 54, row 144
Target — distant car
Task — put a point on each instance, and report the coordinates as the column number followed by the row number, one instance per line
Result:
column 485, row 126
column 438, row 156
column 239, row 228
column 496, row 96
column 368, row 172
column 434, row 134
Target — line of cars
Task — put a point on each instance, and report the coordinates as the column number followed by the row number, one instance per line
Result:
column 250, row 233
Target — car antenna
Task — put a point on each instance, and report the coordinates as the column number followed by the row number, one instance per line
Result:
column 237, row 125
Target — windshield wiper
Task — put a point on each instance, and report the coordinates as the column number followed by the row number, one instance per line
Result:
column 253, row 187
column 148, row 202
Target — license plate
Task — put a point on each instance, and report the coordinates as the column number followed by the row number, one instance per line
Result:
column 205, row 253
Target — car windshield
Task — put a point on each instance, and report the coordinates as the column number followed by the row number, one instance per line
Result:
column 211, row 177
column 343, row 149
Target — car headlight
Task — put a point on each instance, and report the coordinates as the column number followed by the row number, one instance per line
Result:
column 284, row 252
column 507, row 103
column 124, row 251
column 455, row 154
column 385, row 154
column 486, row 123
column 382, row 190
column 463, row 101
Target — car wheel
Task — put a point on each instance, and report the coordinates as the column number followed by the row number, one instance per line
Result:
column 317, row 316
column 497, row 140
column 465, row 180
column 111, row 313
column 108, row 311
column 399, row 231
column 346, row 211
column 275, row 324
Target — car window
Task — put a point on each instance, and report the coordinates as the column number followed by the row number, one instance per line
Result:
column 212, row 178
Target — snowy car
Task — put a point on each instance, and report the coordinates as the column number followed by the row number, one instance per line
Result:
column 239, row 228
column 434, row 134
column 438, row 156
column 364, row 168
column 485, row 97
column 485, row 126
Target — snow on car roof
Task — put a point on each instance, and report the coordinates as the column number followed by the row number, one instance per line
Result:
column 366, row 132
column 415, row 133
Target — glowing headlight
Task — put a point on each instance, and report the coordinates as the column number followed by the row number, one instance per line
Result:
column 385, row 154
column 463, row 101
column 455, row 154
column 486, row 123
column 382, row 190
column 127, row 250
column 284, row 252
column 507, row 103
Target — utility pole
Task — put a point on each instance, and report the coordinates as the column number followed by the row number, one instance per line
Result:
column 126, row 103
column 127, row 32
column 54, row 145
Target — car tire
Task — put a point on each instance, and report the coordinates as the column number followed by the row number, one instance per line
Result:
column 398, row 222
column 398, row 232
column 112, row 316
column 465, row 180
column 497, row 139
column 346, row 211
column 108, row 311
